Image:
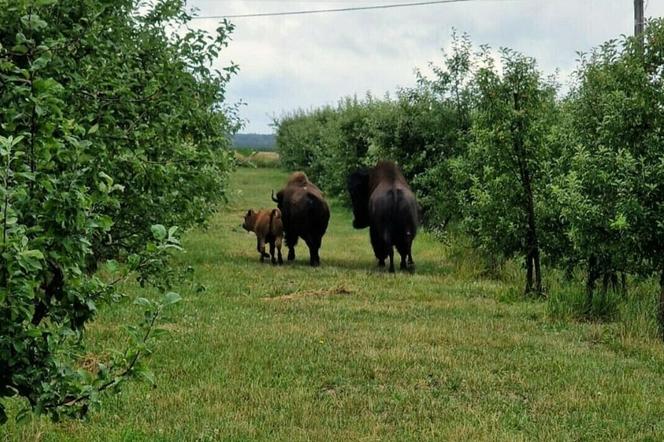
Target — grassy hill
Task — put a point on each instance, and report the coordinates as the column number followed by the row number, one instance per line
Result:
column 255, row 141
column 349, row 352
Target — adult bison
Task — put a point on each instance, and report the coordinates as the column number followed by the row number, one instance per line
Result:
column 305, row 215
column 383, row 201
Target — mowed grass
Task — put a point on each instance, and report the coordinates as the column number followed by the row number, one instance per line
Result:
column 348, row 352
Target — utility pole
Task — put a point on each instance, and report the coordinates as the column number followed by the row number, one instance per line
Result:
column 639, row 20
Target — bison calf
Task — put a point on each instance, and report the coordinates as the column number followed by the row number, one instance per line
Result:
column 268, row 227
column 383, row 201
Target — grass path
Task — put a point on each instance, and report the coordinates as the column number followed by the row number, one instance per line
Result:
column 347, row 352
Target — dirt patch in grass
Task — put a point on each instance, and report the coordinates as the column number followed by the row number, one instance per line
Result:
column 90, row 362
column 310, row 293
column 172, row 327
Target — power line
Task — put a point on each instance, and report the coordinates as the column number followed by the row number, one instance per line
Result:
column 320, row 11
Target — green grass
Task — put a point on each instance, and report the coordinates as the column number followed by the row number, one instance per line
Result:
column 348, row 352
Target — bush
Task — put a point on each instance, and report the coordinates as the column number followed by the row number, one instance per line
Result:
column 111, row 128
column 515, row 111
column 612, row 195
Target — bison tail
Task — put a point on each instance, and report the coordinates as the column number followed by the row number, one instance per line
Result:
column 275, row 215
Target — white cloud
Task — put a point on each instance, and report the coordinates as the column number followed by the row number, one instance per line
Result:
column 288, row 62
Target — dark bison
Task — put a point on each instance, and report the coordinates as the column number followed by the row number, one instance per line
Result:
column 305, row 215
column 268, row 227
column 383, row 201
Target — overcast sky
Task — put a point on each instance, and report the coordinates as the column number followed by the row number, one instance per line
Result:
column 304, row 61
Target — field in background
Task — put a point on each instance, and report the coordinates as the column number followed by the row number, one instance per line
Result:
column 251, row 158
column 349, row 352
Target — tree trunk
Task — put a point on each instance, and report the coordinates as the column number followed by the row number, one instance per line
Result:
column 538, row 267
column 532, row 244
column 529, row 274
column 591, row 277
column 661, row 303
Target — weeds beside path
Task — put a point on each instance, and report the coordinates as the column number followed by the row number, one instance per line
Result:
column 348, row 352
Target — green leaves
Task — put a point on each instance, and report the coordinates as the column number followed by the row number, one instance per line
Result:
column 33, row 22
column 31, row 260
column 159, row 232
column 108, row 137
column 171, row 298
column 614, row 151
column 620, row 222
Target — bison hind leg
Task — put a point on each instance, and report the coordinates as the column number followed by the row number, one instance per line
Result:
column 407, row 263
column 406, row 260
column 272, row 254
column 391, row 254
column 314, row 246
column 291, row 242
column 405, row 250
column 280, row 260
column 379, row 246
column 260, row 247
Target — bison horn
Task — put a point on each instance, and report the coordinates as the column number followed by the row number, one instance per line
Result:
column 273, row 198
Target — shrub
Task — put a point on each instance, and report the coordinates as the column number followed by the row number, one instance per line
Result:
column 110, row 128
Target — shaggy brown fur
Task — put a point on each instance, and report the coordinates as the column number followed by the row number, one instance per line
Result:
column 305, row 215
column 268, row 227
column 383, row 201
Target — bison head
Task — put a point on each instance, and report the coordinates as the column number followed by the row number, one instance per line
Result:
column 279, row 199
column 358, row 187
column 249, row 220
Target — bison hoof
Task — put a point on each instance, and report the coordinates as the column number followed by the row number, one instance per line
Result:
column 391, row 269
column 381, row 263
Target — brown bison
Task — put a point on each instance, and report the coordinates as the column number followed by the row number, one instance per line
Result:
column 383, row 201
column 267, row 226
column 305, row 215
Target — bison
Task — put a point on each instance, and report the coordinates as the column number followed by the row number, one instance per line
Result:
column 305, row 215
column 268, row 227
column 383, row 201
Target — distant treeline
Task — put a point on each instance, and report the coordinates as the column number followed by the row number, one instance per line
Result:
column 493, row 148
column 255, row 141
